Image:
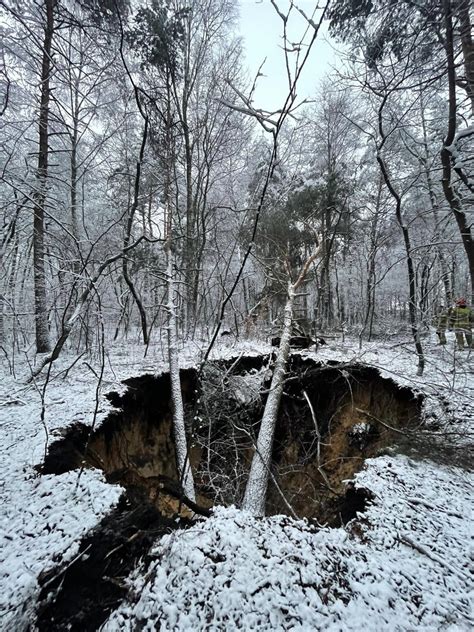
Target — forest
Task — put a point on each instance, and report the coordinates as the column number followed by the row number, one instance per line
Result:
column 236, row 313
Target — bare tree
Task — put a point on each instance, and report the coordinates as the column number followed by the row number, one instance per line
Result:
column 40, row 194
column 181, row 444
column 449, row 160
column 256, row 489
column 443, row 26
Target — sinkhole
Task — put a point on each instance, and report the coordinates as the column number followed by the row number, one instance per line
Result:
column 332, row 417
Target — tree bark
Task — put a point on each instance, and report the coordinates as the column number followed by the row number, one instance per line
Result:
column 182, row 460
column 40, row 194
column 257, row 484
column 256, row 490
column 446, row 156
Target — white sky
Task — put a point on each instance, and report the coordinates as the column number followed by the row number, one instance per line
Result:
column 261, row 29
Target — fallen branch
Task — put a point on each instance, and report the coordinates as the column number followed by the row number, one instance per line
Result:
column 420, row 501
column 64, row 569
column 434, row 557
column 117, row 548
column 173, row 488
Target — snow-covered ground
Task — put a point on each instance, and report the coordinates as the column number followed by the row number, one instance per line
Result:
column 404, row 566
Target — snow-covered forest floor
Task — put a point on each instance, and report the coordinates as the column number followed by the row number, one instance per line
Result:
column 402, row 565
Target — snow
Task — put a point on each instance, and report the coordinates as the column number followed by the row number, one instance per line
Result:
column 236, row 572
column 43, row 517
column 463, row 133
column 402, row 566
column 460, row 152
column 42, row 522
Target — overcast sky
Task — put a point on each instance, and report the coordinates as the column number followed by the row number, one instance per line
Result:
column 261, row 29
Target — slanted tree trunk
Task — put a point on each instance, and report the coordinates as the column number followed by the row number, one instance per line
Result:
column 182, row 460
column 256, row 490
column 41, row 308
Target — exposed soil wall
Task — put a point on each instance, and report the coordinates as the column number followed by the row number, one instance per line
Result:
column 134, row 445
column 332, row 417
column 353, row 409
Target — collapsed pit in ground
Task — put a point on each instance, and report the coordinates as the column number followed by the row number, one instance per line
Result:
column 332, row 417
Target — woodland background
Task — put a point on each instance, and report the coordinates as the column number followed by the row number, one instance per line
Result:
column 132, row 154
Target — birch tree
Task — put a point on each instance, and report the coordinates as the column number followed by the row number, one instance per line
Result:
column 257, row 484
column 158, row 43
column 181, row 443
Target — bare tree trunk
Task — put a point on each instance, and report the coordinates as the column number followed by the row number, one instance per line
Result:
column 41, row 309
column 10, row 236
column 256, row 490
column 446, row 156
column 182, row 455
column 257, row 484
column 424, row 289
column 182, row 460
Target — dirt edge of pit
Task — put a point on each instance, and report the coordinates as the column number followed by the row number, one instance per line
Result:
column 82, row 594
